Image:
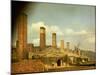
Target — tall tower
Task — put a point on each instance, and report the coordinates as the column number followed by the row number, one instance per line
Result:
column 62, row 44
column 54, row 40
column 22, row 36
column 68, row 45
column 42, row 38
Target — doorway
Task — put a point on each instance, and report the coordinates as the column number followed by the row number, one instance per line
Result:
column 59, row 62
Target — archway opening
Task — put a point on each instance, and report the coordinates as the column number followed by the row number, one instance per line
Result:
column 59, row 62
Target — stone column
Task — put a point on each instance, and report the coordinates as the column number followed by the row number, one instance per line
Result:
column 68, row 45
column 42, row 38
column 54, row 40
column 62, row 44
column 22, row 36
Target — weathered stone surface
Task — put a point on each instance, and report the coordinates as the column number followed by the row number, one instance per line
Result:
column 27, row 66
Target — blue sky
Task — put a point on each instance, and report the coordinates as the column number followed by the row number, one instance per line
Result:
column 73, row 23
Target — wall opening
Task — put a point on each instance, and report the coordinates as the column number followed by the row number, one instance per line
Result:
column 59, row 62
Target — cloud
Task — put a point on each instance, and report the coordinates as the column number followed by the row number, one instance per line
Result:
column 91, row 39
column 70, row 31
column 56, row 29
column 36, row 41
column 87, row 38
column 49, row 28
column 36, row 26
column 34, row 30
column 82, row 32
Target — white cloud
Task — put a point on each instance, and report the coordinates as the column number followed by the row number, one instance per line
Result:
column 70, row 31
column 36, row 26
column 34, row 29
column 91, row 39
column 36, row 41
column 56, row 29
column 82, row 32
column 88, row 38
column 49, row 29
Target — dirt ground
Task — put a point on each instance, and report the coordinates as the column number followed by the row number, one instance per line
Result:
column 37, row 66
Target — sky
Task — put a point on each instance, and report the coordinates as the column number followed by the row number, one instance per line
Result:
column 71, row 23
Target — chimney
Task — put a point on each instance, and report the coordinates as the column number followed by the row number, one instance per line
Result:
column 68, row 45
column 62, row 44
column 54, row 40
column 42, row 38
